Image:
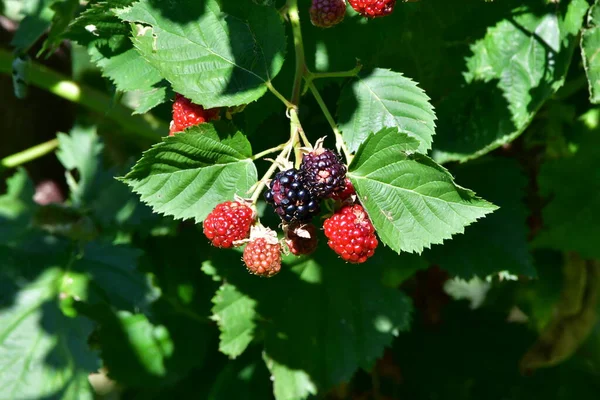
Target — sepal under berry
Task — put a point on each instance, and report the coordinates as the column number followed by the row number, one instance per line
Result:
column 327, row 13
column 351, row 234
column 262, row 254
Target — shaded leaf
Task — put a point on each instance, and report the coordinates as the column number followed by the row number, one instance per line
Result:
column 590, row 43
column 499, row 242
column 228, row 59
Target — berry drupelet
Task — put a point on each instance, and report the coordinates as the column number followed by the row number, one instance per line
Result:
column 291, row 199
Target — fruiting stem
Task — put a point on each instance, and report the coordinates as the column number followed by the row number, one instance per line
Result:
column 30, row 154
column 310, row 76
column 339, row 140
column 294, row 16
column 268, row 151
column 143, row 127
column 281, row 97
column 280, row 160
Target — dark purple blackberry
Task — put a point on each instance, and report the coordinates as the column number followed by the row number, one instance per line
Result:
column 292, row 201
column 323, row 173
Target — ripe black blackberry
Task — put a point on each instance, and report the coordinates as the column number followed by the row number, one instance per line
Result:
column 292, row 201
column 323, row 173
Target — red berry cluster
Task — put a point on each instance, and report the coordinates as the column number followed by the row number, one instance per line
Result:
column 327, row 13
column 228, row 223
column 373, row 8
column 186, row 114
column 351, row 234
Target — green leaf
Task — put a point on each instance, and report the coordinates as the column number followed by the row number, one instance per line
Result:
column 512, row 71
column 64, row 12
column 134, row 350
column 352, row 318
column 213, row 58
column 412, row 201
column 385, row 99
column 570, row 219
column 37, row 19
column 113, row 270
column 188, row 174
column 590, row 43
column 81, row 151
column 234, row 313
column 18, row 199
column 289, row 383
column 43, row 354
column 499, row 242
column 109, row 46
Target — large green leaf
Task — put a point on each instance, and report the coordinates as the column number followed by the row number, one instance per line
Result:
column 412, row 201
column 590, row 43
column 499, row 242
column 188, row 174
column 343, row 317
column 385, row 99
column 572, row 185
column 43, row 354
column 512, row 71
column 213, row 58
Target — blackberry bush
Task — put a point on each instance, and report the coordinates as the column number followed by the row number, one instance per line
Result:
column 455, row 236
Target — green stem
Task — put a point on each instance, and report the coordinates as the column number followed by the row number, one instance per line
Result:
column 141, row 127
column 279, row 95
column 28, row 155
column 294, row 16
column 268, row 151
column 339, row 139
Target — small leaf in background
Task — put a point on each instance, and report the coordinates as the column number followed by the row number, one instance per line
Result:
column 590, row 43
column 234, row 313
column 385, row 99
column 512, row 71
column 228, row 59
column 412, row 201
column 498, row 242
column 17, row 205
column 188, row 174
column 572, row 186
column 43, row 354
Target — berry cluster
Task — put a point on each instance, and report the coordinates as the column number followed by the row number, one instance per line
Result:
column 295, row 195
column 327, row 13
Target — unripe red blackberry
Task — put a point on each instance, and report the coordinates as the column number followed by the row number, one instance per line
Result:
column 262, row 255
column 228, row 223
column 186, row 114
column 327, row 13
column 351, row 234
column 301, row 239
column 373, row 8
column 323, row 173
column 291, row 199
